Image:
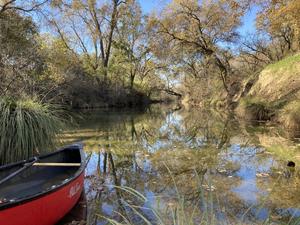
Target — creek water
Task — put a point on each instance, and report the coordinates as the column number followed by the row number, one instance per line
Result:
column 169, row 165
column 177, row 166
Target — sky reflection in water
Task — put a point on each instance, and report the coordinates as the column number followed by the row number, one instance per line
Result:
column 241, row 180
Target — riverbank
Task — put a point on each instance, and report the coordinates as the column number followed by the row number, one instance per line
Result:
column 275, row 95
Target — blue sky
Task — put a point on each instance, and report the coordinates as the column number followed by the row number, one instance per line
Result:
column 248, row 22
column 150, row 5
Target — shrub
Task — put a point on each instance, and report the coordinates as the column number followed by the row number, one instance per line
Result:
column 27, row 127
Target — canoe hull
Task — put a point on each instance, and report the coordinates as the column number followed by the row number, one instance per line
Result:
column 47, row 209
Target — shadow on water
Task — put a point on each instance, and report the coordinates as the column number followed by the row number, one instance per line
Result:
column 78, row 213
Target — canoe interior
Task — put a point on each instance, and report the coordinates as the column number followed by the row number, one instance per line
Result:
column 38, row 179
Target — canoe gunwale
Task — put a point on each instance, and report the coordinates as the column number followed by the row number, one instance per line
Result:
column 38, row 195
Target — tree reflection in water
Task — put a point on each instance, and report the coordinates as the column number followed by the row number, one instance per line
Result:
column 185, row 159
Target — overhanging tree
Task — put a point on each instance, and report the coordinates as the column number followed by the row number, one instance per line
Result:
column 205, row 28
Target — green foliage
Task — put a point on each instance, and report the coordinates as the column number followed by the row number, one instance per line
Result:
column 16, row 32
column 20, row 61
column 27, row 127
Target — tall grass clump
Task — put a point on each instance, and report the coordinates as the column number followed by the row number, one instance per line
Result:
column 27, row 127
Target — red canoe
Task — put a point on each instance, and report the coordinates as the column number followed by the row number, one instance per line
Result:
column 41, row 192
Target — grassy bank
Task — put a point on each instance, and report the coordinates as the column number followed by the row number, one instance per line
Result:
column 275, row 95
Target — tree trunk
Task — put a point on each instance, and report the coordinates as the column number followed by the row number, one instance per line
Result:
column 132, row 76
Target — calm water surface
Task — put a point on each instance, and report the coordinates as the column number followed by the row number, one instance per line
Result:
column 189, row 165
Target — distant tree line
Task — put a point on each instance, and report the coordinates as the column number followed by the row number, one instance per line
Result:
column 89, row 53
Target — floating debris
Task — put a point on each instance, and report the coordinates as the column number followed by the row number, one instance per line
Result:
column 208, row 187
column 171, row 204
column 269, row 153
column 262, row 175
column 279, row 172
column 222, row 171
